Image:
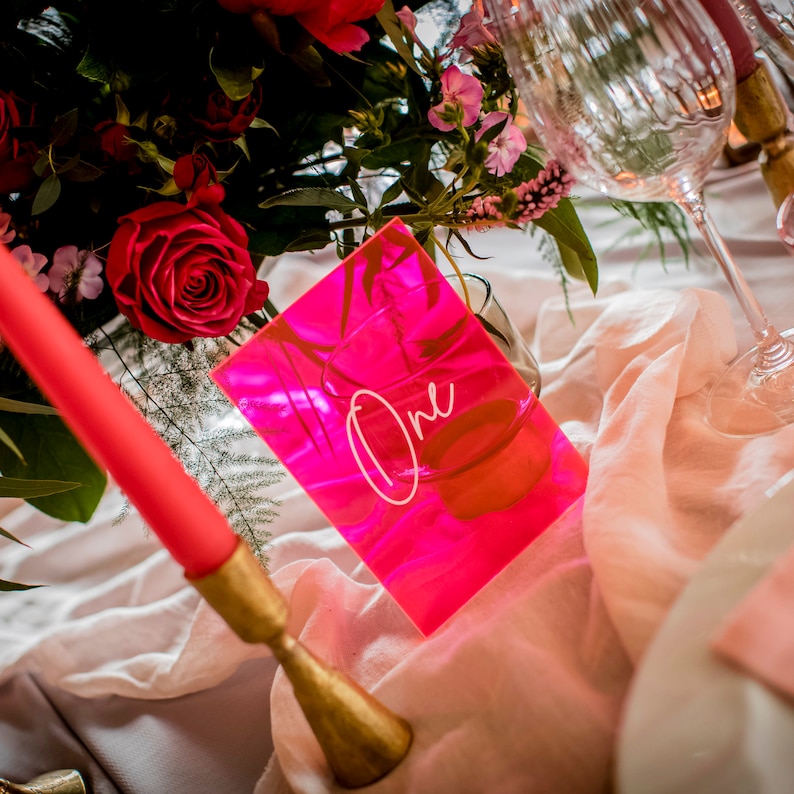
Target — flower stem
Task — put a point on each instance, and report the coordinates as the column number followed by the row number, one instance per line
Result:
column 455, row 267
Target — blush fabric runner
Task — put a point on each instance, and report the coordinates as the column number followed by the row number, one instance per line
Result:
column 130, row 675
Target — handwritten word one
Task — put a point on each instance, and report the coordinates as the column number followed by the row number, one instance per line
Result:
column 415, row 418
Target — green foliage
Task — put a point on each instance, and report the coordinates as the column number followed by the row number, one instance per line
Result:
column 19, row 487
column 172, row 388
column 662, row 221
column 51, row 452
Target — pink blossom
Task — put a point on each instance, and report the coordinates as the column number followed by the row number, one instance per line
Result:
column 544, row 192
column 75, row 275
column 471, row 32
column 533, row 198
column 505, row 149
column 407, row 17
column 5, row 235
column 32, row 265
column 487, row 208
column 461, row 99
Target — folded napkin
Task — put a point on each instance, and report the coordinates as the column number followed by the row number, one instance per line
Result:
column 757, row 636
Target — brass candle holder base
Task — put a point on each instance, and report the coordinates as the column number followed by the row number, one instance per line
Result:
column 762, row 118
column 361, row 739
column 61, row 781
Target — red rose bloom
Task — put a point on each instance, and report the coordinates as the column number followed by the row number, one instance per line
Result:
column 194, row 171
column 180, row 271
column 114, row 139
column 329, row 22
column 223, row 119
column 16, row 160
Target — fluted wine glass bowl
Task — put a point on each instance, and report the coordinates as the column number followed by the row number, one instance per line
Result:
column 635, row 99
column 631, row 97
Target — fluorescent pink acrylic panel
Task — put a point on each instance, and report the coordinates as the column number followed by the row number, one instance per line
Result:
column 390, row 404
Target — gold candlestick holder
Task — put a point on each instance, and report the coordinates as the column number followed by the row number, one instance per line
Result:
column 61, row 781
column 361, row 739
column 761, row 116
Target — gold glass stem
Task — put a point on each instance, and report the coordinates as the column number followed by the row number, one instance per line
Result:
column 361, row 739
column 61, row 781
column 762, row 118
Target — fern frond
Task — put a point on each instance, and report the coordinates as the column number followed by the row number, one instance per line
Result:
column 171, row 386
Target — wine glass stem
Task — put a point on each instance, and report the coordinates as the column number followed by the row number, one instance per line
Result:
column 773, row 350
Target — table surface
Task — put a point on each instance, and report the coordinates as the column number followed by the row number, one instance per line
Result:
column 118, row 669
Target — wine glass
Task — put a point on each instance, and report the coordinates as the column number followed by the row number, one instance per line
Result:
column 635, row 99
column 772, row 24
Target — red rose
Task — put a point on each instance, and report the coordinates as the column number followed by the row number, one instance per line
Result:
column 181, row 271
column 223, row 119
column 194, row 171
column 329, row 22
column 115, row 141
column 16, row 160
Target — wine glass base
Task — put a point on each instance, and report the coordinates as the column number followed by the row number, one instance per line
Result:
column 741, row 405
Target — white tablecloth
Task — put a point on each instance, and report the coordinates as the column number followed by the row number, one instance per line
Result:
column 120, row 669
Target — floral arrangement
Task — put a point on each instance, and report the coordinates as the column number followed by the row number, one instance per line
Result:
column 147, row 171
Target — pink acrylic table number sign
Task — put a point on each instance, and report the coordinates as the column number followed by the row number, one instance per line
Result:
column 392, row 407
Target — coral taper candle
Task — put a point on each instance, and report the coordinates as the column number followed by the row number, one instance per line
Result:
column 114, row 433
column 735, row 34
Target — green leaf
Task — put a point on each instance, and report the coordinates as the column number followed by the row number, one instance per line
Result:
column 53, row 453
column 392, row 192
column 235, row 79
column 68, row 166
column 311, row 63
column 82, row 172
column 386, row 156
column 9, row 442
column 21, row 407
column 578, row 256
column 272, row 232
column 28, row 489
column 6, row 534
column 7, row 587
column 313, row 197
column 358, row 193
column 64, row 128
column 261, row 124
column 47, row 195
column 94, row 69
column 312, row 241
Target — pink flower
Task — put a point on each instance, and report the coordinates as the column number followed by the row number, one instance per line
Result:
column 75, row 275
column 406, row 16
column 6, row 236
column 32, row 265
column 532, row 198
column 461, row 99
column 544, row 192
column 505, row 149
column 487, row 208
column 471, row 32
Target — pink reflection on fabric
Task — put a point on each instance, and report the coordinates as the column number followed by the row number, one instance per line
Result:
column 391, row 405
